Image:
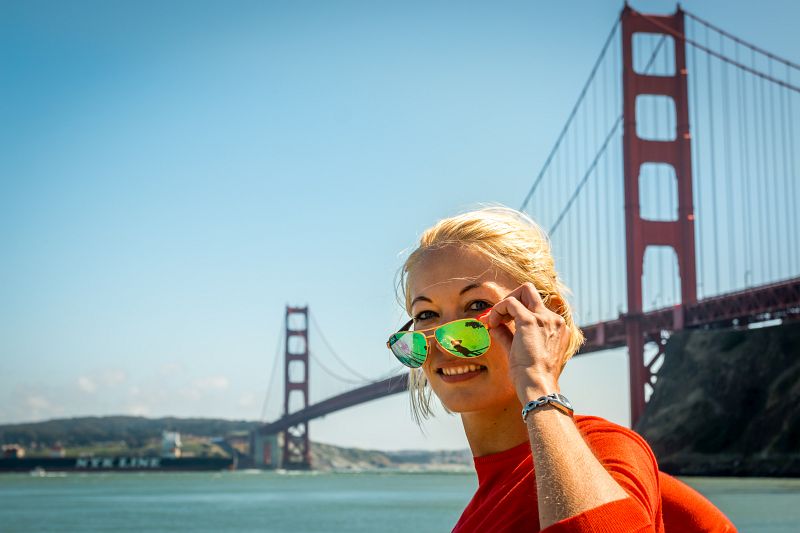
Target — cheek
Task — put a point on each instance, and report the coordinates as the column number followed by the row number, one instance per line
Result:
column 496, row 354
column 496, row 358
column 500, row 360
column 427, row 369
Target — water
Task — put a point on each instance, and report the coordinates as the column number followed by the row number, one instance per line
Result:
column 309, row 502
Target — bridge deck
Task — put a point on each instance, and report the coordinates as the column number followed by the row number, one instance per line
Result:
column 777, row 300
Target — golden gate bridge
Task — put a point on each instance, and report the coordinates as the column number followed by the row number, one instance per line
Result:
column 678, row 156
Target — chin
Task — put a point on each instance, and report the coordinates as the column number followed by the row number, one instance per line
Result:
column 487, row 396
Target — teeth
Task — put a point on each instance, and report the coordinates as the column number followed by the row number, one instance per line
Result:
column 452, row 371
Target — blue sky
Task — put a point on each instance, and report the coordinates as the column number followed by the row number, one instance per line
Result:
column 174, row 173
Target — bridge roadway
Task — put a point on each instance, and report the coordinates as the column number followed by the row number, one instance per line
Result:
column 777, row 300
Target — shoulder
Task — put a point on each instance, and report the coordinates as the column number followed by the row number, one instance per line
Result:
column 601, row 432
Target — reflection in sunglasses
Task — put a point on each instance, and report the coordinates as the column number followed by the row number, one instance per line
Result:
column 465, row 337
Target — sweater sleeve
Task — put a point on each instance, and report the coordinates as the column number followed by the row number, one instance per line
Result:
column 685, row 509
column 630, row 461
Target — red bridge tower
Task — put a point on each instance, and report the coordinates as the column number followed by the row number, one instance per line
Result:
column 296, row 445
column 639, row 232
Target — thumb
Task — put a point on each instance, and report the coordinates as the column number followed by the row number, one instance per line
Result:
column 503, row 336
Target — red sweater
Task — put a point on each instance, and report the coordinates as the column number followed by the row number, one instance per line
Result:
column 506, row 499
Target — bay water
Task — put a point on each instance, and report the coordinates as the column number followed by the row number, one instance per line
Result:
column 309, row 502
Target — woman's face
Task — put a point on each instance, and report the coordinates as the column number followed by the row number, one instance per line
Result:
column 449, row 284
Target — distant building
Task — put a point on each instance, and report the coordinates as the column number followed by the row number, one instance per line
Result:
column 240, row 440
column 170, row 444
column 266, row 450
column 57, row 450
column 13, row 451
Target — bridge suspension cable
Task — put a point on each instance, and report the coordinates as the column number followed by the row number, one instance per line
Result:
column 740, row 208
column 334, row 375
column 586, row 176
column 722, row 57
column 744, row 112
column 572, row 115
column 363, row 379
column 272, row 375
column 318, row 363
column 564, row 130
column 743, row 132
column 742, row 41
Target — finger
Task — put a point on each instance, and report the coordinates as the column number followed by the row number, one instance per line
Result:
column 502, row 335
column 528, row 294
column 507, row 310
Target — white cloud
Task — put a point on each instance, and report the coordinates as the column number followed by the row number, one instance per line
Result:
column 38, row 407
column 113, row 377
column 248, row 399
column 203, row 386
column 87, row 385
column 171, row 368
column 37, row 402
column 212, row 383
column 138, row 410
column 109, row 378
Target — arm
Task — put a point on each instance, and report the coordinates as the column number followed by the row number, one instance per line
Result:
column 570, row 477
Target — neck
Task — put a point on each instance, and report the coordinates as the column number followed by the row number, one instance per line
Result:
column 494, row 430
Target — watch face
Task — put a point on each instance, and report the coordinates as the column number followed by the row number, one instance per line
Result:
column 564, row 399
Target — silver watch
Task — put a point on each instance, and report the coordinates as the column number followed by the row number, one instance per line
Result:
column 559, row 401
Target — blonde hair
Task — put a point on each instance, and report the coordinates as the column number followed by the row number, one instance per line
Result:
column 516, row 245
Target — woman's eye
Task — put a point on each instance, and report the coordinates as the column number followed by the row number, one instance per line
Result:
column 479, row 305
column 424, row 315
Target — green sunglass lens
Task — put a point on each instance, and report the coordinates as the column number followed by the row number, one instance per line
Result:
column 409, row 347
column 464, row 338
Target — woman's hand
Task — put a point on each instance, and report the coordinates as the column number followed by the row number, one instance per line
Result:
column 570, row 478
column 537, row 346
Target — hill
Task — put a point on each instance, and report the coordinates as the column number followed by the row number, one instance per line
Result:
column 112, row 435
column 727, row 402
column 134, row 431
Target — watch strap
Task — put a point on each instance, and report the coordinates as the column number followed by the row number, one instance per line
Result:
column 559, row 401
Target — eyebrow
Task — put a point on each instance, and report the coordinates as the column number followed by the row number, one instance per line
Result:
column 462, row 291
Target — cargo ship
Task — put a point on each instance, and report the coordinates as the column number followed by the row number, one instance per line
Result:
column 114, row 464
column 13, row 459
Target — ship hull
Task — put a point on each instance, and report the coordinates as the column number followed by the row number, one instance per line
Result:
column 115, row 464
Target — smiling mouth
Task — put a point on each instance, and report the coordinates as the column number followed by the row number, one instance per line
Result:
column 458, row 370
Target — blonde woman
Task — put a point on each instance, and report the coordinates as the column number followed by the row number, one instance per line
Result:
column 490, row 334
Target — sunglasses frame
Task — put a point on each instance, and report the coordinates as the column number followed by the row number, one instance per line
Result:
column 408, row 324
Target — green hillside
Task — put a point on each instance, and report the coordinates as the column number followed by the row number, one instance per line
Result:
column 133, row 431
column 132, row 435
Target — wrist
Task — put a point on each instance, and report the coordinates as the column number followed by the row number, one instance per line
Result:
column 536, row 387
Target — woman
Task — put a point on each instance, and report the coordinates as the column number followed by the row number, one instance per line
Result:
column 548, row 470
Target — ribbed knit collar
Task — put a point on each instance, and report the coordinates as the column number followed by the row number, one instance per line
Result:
column 494, row 464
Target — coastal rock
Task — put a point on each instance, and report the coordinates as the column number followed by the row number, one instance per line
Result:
column 727, row 402
column 334, row 458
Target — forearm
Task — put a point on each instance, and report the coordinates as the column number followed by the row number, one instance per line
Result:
column 569, row 478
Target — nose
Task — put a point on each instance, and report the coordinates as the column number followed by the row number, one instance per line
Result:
column 438, row 353
column 435, row 350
